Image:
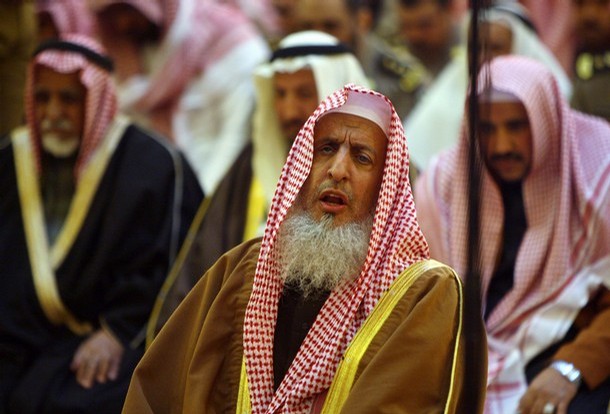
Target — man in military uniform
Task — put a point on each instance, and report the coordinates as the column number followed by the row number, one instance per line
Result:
column 428, row 31
column 392, row 71
column 592, row 66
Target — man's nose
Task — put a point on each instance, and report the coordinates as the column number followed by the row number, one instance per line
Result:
column 503, row 143
column 54, row 109
column 291, row 107
column 339, row 168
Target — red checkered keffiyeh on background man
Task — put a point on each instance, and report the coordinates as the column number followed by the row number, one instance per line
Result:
column 184, row 68
column 544, row 237
column 94, row 210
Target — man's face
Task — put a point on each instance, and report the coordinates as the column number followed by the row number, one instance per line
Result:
column 59, row 106
column 426, row 28
column 348, row 161
column 505, row 140
column 126, row 21
column 592, row 21
column 295, row 98
column 329, row 16
column 285, row 14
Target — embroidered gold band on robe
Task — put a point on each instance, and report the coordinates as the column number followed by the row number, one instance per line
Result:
column 169, row 281
column 43, row 260
column 346, row 372
column 257, row 210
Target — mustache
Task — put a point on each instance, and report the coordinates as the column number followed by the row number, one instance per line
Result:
column 507, row 156
column 59, row 125
column 329, row 184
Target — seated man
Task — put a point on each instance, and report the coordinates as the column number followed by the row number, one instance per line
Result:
column 63, row 17
column 545, row 237
column 184, row 68
column 93, row 210
column 337, row 308
column 504, row 28
column 306, row 67
column 393, row 71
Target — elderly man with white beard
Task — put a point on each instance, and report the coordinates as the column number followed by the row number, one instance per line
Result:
column 337, row 309
column 93, row 210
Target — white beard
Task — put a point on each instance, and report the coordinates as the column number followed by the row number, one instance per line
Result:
column 317, row 256
column 59, row 147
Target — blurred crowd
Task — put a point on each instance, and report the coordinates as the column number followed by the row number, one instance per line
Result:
column 211, row 94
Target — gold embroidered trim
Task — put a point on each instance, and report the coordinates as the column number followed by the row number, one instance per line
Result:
column 85, row 191
column 243, row 396
column 175, row 270
column 456, row 348
column 43, row 260
column 346, row 372
column 36, row 237
column 256, row 210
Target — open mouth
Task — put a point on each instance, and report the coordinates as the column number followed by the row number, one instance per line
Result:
column 333, row 201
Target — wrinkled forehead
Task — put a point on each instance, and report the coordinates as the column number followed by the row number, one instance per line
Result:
column 47, row 75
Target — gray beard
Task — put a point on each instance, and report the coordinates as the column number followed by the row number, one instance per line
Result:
column 59, row 147
column 317, row 257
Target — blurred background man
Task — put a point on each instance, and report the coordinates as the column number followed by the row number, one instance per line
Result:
column 184, row 68
column 592, row 66
column 94, row 210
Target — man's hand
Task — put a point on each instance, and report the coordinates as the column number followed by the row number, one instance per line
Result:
column 97, row 359
column 549, row 387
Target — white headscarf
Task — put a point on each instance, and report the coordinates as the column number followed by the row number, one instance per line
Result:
column 330, row 72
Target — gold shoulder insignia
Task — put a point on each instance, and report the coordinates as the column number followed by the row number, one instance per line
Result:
column 584, row 66
column 587, row 65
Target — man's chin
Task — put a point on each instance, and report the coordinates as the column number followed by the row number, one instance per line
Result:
column 59, row 147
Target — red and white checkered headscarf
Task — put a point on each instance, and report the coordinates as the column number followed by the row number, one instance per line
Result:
column 69, row 16
column 161, row 13
column 567, row 204
column 396, row 243
column 100, row 104
column 194, row 35
column 557, row 191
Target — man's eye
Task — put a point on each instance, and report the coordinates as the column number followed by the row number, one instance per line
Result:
column 363, row 159
column 69, row 98
column 41, row 97
column 517, row 126
column 326, row 149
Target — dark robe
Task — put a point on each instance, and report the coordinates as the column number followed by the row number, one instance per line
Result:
column 295, row 316
column 220, row 229
column 515, row 225
column 138, row 216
